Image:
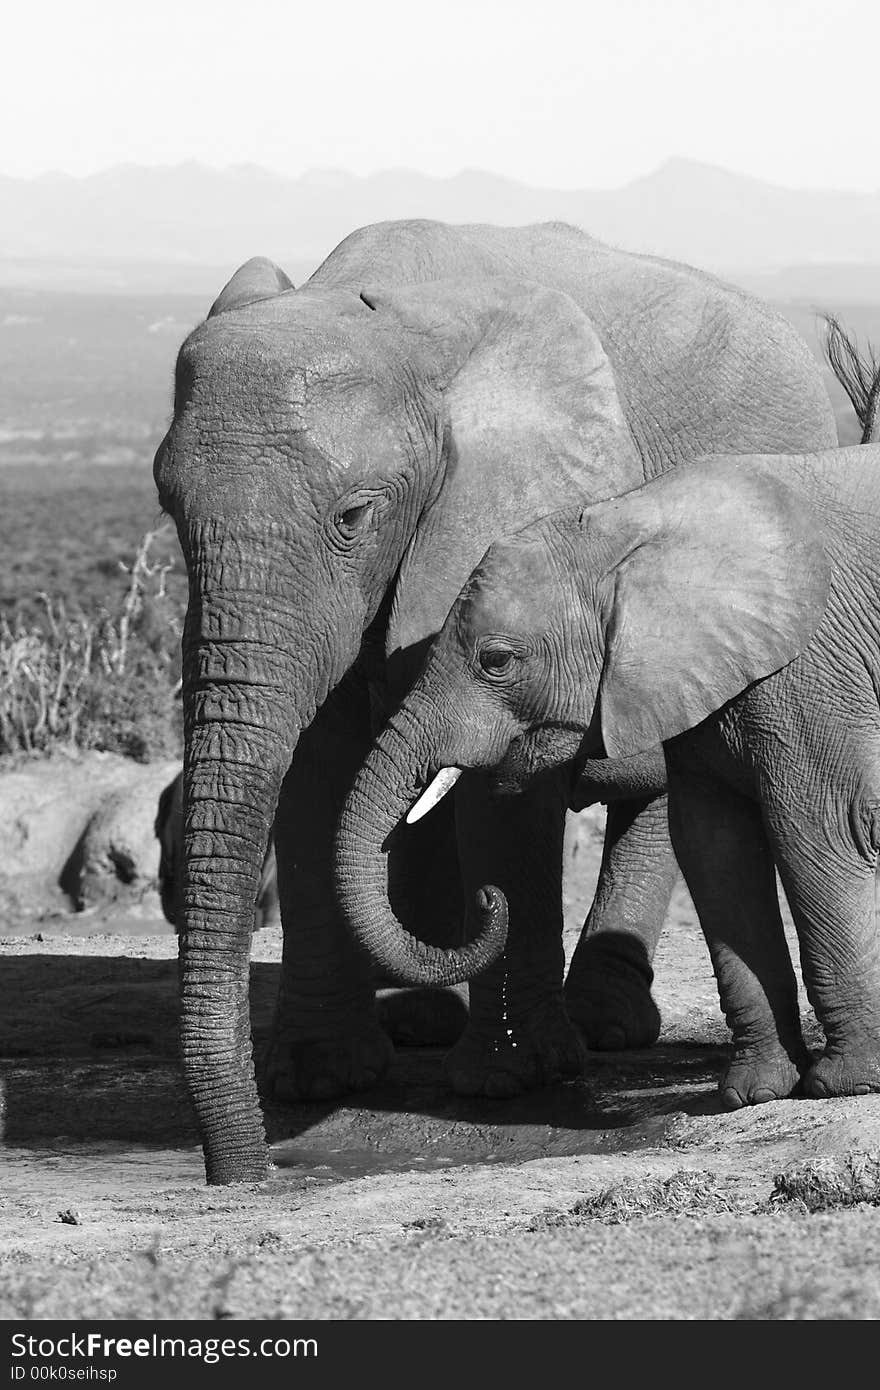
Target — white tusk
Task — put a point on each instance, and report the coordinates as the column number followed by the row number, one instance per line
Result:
column 444, row 781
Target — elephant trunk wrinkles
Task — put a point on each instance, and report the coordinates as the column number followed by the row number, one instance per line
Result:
column 385, row 788
column 241, row 732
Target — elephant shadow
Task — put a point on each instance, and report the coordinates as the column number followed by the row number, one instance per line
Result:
column 89, row 1051
column 411, row 1119
column 89, row 1059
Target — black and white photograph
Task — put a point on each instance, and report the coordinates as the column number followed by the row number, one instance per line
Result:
column 439, row 674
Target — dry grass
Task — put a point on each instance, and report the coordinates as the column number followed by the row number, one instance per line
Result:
column 827, row 1184
column 686, row 1193
column 106, row 681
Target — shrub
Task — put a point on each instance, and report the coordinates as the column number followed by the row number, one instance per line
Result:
column 107, row 681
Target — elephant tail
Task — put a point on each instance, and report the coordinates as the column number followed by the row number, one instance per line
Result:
column 858, row 373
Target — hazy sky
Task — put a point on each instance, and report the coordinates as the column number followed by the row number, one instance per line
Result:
column 550, row 92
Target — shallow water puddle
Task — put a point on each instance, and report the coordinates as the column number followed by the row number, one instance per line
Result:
column 423, row 1129
column 353, row 1163
column 131, row 1109
column 480, row 1148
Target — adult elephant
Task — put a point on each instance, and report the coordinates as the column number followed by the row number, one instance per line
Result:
column 339, row 459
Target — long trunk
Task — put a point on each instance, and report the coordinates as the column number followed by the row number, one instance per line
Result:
column 242, row 726
column 389, row 782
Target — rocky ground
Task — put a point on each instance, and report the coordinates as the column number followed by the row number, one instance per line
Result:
column 627, row 1195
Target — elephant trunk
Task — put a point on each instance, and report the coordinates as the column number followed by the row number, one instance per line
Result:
column 385, row 788
column 221, row 877
column 242, row 727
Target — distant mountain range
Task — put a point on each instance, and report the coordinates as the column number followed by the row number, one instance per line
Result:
column 186, row 226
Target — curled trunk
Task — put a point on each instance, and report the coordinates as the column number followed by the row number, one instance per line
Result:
column 387, row 785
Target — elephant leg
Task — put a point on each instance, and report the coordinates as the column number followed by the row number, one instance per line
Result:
column 722, row 847
column 327, row 1038
column 518, row 1035
column 608, row 987
column 830, row 887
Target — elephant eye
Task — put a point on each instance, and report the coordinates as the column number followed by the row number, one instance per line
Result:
column 355, row 519
column 495, row 660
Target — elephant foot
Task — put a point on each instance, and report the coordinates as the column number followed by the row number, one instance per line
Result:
column 353, row 1059
column 503, row 1062
column 423, row 1017
column 756, row 1078
column 851, row 1073
column 608, row 993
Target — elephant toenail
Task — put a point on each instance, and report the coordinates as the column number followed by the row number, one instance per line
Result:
column 731, row 1098
column 762, row 1094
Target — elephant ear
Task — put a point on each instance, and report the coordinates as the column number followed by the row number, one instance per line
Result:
column 722, row 579
column 258, row 278
column 532, row 422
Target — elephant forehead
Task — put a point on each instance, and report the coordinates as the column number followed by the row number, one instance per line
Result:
column 512, row 590
column 354, row 424
column 317, row 397
column 259, row 360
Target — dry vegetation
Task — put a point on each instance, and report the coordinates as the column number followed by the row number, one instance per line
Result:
column 687, row 1193
column 105, row 679
column 830, row 1182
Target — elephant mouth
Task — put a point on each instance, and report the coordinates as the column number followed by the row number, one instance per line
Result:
column 509, row 778
column 541, row 751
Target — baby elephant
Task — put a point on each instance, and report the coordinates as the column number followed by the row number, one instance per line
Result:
column 730, row 611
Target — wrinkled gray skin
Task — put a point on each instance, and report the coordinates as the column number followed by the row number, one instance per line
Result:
column 731, row 611
column 339, row 459
column 168, row 828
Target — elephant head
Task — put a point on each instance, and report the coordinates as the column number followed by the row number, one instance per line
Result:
column 335, row 455
column 597, row 632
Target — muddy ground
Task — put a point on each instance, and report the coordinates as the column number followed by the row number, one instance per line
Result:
column 627, row 1195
